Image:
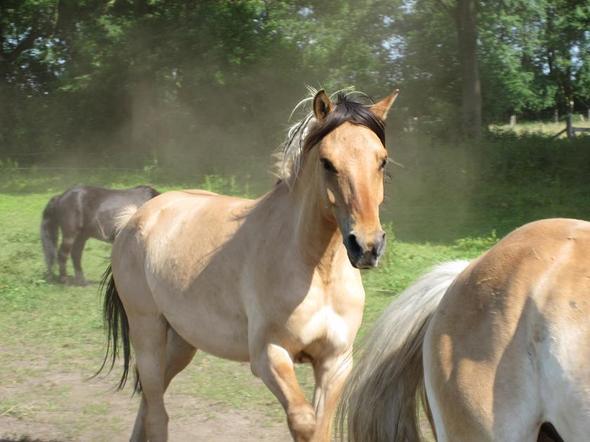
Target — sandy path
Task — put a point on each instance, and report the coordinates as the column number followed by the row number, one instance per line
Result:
column 92, row 412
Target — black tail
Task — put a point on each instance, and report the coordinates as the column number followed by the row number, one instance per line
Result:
column 49, row 233
column 117, row 328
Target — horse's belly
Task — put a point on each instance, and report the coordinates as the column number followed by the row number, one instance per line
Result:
column 102, row 226
column 212, row 322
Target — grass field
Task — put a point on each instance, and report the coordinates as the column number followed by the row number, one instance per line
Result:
column 549, row 128
column 52, row 338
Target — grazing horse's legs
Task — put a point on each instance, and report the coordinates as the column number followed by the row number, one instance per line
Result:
column 64, row 252
column 77, row 249
column 330, row 377
column 274, row 366
column 179, row 354
column 148, row 336
column 70, row 229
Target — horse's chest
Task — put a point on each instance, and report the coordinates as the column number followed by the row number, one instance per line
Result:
column 324, row 320
column 326, row 328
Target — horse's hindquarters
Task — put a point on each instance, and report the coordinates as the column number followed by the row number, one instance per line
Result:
column 477, row 399
column 508, row 347
column 565, row 376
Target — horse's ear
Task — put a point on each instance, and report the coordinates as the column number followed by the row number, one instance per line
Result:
column 381, row 108
column 322, row 105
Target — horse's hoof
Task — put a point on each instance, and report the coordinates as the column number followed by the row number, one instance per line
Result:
column 302, row 424
column 50, row 277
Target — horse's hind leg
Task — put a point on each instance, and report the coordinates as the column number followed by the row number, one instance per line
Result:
column 70, row 229
column 64, row 252
column 486, row 402
column 77, row 249
column 179, row 354
column 148, row 336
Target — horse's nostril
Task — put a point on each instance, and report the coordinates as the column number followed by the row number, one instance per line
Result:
column 353, row 244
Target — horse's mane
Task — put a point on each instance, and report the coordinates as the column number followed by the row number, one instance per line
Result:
column 349, row 106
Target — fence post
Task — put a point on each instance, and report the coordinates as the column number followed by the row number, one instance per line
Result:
column 556, row 115
column 512, row 120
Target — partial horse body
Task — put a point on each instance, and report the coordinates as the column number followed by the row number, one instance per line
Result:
column 272, row 281
column 80, row 213
column 498, row 347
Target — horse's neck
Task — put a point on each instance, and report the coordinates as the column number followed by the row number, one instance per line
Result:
column 310, row 224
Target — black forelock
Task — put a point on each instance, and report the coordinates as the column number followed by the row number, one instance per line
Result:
column 346, row 110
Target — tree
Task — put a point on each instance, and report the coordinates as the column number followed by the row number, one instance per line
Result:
column 138, row 76
column 467, row 35
column 566, row 33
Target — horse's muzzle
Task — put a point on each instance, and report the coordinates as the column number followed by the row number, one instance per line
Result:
column 365, row 254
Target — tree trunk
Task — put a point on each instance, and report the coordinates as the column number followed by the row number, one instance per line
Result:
column 466, row 18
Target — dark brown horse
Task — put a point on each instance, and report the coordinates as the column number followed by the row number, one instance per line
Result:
column 80, row 213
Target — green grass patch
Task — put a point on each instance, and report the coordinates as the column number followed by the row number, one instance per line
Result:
column 549, row 128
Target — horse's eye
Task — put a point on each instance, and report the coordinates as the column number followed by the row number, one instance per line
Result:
column 383, row 164
column 328, row 166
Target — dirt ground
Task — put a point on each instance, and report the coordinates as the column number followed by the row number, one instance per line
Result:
column 191, row 419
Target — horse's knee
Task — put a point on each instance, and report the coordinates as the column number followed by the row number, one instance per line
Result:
column 302, row 422
column 62, row 255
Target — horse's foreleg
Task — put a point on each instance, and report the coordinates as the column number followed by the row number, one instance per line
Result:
column 179, row 354
column 330, row 376
column 77, row 250
column 148, row 336
column 274, row 366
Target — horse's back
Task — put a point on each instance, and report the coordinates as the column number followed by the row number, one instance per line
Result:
column 186, row 214
column 512, row 333
column 92, row 210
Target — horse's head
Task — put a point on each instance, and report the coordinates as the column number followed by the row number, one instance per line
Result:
column 351, row 161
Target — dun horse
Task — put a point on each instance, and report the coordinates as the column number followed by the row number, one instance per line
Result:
column 80, row 213
column 272, row 281
column 499, row 347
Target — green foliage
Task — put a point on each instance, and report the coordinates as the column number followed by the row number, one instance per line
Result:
column 534, row 55
column 444, row 191
column 97, row 79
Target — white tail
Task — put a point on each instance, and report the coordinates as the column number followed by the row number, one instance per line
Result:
column 380, row 400
column 123, row 216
